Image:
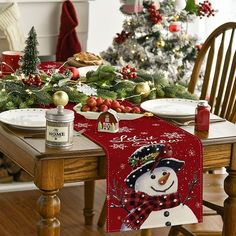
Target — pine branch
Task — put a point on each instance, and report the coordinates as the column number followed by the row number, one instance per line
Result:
column 119, row 196
column 191, row 186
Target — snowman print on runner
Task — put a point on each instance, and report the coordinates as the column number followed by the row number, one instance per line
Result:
column 153, row 199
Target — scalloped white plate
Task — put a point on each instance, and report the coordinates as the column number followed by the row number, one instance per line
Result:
column 29, row 118
column 171, row 107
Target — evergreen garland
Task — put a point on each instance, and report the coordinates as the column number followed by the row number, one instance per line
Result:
column 108, row 81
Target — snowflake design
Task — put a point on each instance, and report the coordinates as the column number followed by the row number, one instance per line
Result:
column 83, row 125
column 173, row 135
column 155, row 124
column 122, row 166
column 50, row 66
column 118, row 146
column 144, row 133
column 125, row 129
column 84, row 88
column 198, row 204
column 191, row 153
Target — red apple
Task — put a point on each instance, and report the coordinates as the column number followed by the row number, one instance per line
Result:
column 75, row 72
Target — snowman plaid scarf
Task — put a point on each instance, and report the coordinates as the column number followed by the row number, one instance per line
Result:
column 144, row 204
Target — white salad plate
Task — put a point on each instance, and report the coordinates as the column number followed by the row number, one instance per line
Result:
column 171, row 107
column 83, row 70
column 91, row 115
column 29, row 118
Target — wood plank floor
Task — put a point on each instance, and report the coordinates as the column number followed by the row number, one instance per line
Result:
column 18, row 217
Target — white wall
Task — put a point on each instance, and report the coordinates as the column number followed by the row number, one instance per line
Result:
column 105, row 20
column 45, row 15
column 226, row 11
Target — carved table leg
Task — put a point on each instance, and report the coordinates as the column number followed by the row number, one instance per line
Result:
column 49, row 178
column 89, row 188
column 48, row 207
column 230, row 202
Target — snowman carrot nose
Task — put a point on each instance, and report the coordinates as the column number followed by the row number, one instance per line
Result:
column 164, row 178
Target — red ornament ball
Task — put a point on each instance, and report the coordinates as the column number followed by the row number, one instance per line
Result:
column 174, row 27
column 75, row 72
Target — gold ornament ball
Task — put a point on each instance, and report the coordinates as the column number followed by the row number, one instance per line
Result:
column 60, row 98
column 142, row 89
column 161, row 43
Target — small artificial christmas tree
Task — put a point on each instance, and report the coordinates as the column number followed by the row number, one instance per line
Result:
column 30, row 61
column 154, row 37
column 32, row 86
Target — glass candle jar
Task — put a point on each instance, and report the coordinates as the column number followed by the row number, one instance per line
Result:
column 202, row 116
column 59, row 127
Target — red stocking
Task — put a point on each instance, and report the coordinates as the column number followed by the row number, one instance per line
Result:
column 68, row 43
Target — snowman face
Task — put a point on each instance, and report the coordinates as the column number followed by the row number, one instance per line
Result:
column 163, row 180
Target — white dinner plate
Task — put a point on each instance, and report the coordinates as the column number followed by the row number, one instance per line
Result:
column 29, row 118
column 94, row 115
column 171, row 107
column 83, row 70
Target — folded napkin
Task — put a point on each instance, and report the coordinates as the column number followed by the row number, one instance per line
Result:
column 68, row 43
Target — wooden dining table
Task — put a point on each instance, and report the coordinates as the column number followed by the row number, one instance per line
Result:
column 85, row 161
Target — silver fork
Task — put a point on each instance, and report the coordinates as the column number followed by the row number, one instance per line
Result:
column 192, row 122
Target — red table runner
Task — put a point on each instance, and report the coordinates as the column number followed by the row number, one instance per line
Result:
column 154, row 173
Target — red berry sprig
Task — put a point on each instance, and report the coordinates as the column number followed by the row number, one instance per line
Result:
column 129, row 72
column 33, row 80
column 155, row 15
column 121, row 37
column 205, row 9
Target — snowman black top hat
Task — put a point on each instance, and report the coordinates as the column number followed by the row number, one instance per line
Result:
column 147, row 158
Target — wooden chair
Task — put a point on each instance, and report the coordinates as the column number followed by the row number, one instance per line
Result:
column 217, row 61
column 214, row 195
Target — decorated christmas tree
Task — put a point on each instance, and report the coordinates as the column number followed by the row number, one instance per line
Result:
column 155, row 37
column 30, row 60
column 154, row 51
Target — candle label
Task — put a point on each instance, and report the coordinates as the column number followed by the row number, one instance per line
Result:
column 57, row 134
